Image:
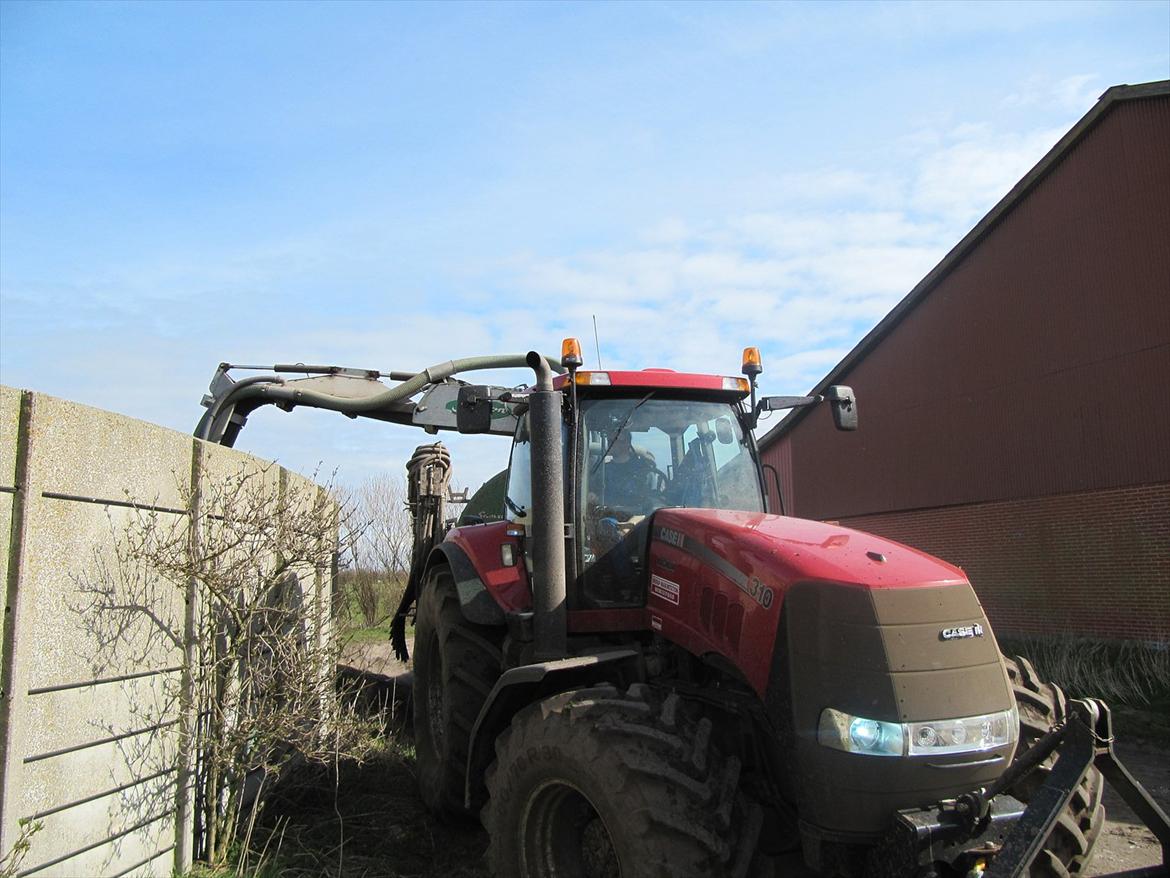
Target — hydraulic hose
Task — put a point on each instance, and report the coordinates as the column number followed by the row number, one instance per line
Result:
column 272, row 389
column 428, row 473
column 391, row 395
column 208, row 423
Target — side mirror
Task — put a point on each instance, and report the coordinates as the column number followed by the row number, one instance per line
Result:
column 723, row 431
column 473, row 414
column 844, row 405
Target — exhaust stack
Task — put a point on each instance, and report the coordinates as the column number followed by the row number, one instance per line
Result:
column 548, row 514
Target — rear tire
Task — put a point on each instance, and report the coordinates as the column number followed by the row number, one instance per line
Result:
column 1041, row 706
column 456, row 664
column 598, row 783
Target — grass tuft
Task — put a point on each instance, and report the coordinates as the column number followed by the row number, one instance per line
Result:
column 1122, row 673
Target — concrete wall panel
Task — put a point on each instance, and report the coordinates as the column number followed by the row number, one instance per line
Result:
column 102, row 770
column 71, row 717
column 9, row 415
column 91, row 743
column 9, row 420
column 88, row 452
column 69, row 554
column 83, row 853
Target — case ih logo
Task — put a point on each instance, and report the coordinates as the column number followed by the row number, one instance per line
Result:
column 962, row 632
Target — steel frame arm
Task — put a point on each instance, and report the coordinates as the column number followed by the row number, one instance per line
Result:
column 230, row 402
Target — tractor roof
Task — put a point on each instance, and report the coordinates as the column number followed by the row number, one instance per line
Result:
column 736, row 387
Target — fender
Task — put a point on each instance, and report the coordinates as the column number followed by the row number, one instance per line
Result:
column 528, row 684
column 477, row 603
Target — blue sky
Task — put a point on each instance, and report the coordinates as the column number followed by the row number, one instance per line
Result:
column 394, row 185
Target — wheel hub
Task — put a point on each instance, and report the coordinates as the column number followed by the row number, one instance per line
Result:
column 563, row 835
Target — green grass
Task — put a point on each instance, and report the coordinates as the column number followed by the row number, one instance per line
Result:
column 1120, row 673
column 351, row 623
column 376, row 634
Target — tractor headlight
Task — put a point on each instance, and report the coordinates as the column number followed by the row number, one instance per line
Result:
column 872, row 737
column 856, row 734
column 967, row 735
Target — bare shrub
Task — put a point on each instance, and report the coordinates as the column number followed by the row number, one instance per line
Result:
column 251, row 562
column 10, row 862
column 380, row 540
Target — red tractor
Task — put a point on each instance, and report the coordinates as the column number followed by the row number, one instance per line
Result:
column 637, row 669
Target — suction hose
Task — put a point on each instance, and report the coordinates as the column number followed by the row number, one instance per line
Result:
column 277, row 393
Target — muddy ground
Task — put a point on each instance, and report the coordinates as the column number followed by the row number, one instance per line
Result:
column 368, row 820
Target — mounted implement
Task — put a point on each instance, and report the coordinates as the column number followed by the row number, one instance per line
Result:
column 637, row 670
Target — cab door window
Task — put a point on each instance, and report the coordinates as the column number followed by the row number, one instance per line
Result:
column 518, row 497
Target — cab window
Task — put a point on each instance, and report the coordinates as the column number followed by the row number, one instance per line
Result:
column 518, row 497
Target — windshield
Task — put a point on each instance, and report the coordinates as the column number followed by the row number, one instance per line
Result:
column 641, row 454
column 645, row 453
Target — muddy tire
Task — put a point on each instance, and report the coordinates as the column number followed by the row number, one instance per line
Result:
column 456, row 664
column 1041, row 706
column 599, row 783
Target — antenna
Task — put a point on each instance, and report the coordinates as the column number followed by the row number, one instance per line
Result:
column 597, row 342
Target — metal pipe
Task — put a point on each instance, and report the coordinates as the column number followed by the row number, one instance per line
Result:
column 213, row 423
column 548, row 514
column 398, row 392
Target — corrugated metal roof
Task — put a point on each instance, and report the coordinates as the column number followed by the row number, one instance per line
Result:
column 1113, row 96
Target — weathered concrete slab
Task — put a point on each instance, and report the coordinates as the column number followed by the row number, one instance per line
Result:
column 69, row 559
column 92, row 735
column 87, row 452
column 9, row 418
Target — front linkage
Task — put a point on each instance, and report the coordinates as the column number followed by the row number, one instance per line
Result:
column 972, row 825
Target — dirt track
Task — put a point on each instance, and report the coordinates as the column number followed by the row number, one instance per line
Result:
column 1124, row 843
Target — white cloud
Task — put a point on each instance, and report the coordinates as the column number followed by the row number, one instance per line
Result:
column 974, row 168
column 1075, row 93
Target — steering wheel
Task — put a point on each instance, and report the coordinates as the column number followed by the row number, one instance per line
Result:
column 658, row 491
column 598, row 511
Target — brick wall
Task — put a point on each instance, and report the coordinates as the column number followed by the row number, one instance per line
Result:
column 1094, row 563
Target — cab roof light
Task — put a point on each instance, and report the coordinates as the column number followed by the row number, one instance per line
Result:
column 739, row 384
column 571, row 353
column 592, row 378
column 752, row 364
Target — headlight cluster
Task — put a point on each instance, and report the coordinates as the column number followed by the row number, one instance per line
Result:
column 872, row 737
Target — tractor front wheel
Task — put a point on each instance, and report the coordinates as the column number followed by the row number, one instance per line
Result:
column 456, row 664
column 1041, row 706
column 599, row 783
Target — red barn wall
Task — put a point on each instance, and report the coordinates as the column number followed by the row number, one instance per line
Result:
column 1016, row 421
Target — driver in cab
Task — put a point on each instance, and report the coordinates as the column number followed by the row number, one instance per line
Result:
column 629, row 472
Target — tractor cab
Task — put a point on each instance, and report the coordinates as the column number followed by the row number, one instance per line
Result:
column 640, row 453
column 634, row 443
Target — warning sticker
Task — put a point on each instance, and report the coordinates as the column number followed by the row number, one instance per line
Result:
column 664, row 588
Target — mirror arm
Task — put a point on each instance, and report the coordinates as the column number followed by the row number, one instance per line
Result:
column 790, row 402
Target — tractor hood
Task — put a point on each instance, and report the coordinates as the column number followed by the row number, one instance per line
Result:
column 781, row 550
column 815, row 617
